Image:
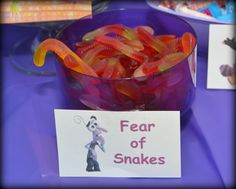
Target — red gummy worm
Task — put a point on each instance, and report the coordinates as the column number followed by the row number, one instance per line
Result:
column 82, row 50
column 98, row 51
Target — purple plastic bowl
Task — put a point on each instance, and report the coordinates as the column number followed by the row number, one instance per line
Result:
column 173, row 89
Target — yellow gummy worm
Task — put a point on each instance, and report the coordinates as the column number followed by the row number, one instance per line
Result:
column 70, row 59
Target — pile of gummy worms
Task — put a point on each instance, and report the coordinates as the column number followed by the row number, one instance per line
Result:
column 118, row 51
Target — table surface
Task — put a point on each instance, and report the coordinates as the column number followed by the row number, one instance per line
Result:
column 29, row 139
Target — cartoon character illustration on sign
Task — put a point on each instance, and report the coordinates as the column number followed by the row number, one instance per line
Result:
column 227, row 70
column 97, row 140
column 93, row 127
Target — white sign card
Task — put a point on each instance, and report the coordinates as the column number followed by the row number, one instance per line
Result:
column 221, row 57
column 118, row 144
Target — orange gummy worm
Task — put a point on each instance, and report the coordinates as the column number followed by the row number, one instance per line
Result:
column 188, row 42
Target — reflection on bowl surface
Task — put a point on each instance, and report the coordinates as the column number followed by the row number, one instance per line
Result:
column 172, row 89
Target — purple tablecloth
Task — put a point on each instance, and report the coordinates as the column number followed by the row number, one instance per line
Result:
column 29, row 138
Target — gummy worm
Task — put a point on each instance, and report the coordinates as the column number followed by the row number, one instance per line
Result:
column 188, row 42
column 164, row 63
column 118, row 29
column 151, row 41
column 147, row 28
column 97, row 52
column 118, row 45
column 82, row 50
column 70, row 59
column 161, row 65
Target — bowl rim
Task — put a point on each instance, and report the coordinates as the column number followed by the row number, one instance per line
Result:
column 60, row 33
